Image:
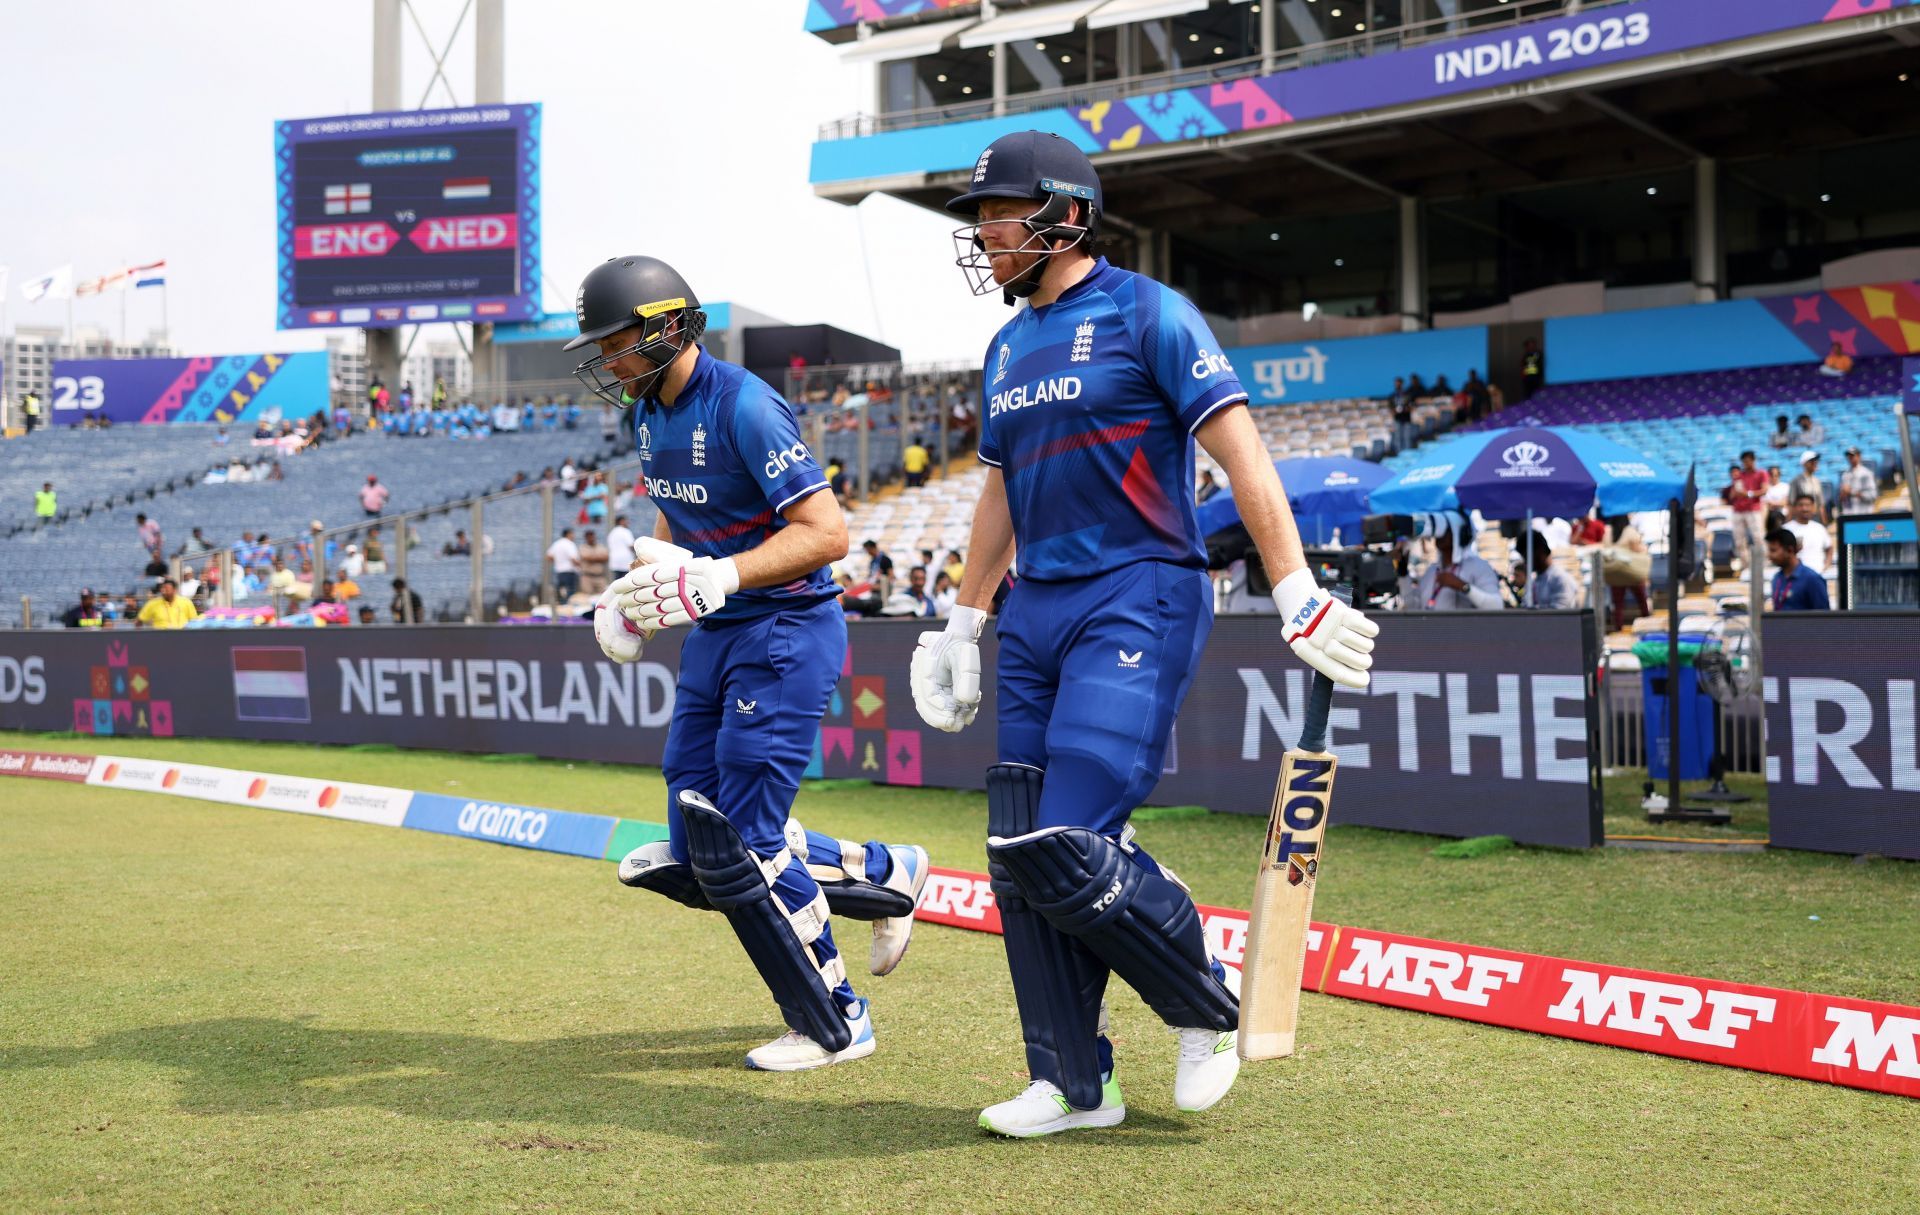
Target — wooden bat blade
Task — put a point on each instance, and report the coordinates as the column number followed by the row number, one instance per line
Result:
column 1276, row 954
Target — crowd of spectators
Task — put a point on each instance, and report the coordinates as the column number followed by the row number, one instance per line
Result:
column 869, row 587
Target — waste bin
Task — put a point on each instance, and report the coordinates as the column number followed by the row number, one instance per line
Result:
column 1696, row 708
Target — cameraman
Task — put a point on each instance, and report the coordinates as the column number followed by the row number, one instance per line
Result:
column 1459, row 581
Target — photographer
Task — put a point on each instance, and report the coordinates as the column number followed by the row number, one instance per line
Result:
column 1459, row 581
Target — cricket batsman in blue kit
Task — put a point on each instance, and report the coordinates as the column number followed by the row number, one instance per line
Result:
column 739, row 554
column 1095, row 394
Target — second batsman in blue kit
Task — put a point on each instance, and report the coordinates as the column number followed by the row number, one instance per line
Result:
column 739, row 554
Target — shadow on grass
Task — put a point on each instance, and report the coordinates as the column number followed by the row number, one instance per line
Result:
column 263, row 1066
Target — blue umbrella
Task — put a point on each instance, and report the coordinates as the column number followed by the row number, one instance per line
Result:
column 1325, row 492
column 1552, row 471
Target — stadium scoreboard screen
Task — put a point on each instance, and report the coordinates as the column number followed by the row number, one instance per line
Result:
column 409, row 217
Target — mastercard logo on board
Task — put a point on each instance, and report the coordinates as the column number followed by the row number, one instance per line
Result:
column 329, row 795
column 112, row 773
column 258, row 787
column 171, row 779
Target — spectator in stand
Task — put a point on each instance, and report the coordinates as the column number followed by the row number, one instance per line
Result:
column 619, row 548
column 1549, row 586
column 1776, row 498
column 169, row 609
column 1810, row 484
column 220, row 438
column 917, row 588
column 342, row 420
column 46, row 503
column 196, row 544
column 376, row 551
column 367, row 615
column 1859, row 487
column 149, row 533
column 945, row 595
column 1533, row 368
column 353, row 565
column 1747, row 495
column 459, row 546
column 564, row 554
column 1440, row 386
column 325, row 594
column 31, row 407
column 593, row 563
column 1809, row 433
column 345, row 587
column 1417, row 388
column 1781, row 438
column 569, row 478
column 1795, row 587
column 879, row 568
column 1628, row 550
column 955, row 565
column 1400, row 401
column 1838, row 362
column 594, row 495
column 1590, row 530
column 1460, row 580
column 1207, row 487
column 915, row 460
column 406, row 600
column 1813, row 541
column 84, row 615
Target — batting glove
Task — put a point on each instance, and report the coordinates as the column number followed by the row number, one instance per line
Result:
column 1332, row 638
column 620, row 639
column 664, row 594
column 946, row 672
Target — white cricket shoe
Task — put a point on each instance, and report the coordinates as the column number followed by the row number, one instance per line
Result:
column 1043, row 1110
column 1208, row 1061
column 892, row 935
column 793, row 1051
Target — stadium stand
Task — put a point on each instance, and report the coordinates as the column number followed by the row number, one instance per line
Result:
column 94, row 469
column 98, row 549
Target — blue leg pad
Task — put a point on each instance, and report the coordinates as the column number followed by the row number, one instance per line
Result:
column 1057, row 981
column 1139, row 923
column 778, row 942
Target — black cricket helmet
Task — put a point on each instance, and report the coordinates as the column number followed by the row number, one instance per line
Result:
column 646, row 295
column 1037, row 165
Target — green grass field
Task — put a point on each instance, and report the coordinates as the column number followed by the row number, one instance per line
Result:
column 205, row 1008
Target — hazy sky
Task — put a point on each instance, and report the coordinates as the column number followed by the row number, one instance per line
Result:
column 139, row 131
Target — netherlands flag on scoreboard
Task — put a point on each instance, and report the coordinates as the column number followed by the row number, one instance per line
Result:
column 466, row 187
column 270, row 684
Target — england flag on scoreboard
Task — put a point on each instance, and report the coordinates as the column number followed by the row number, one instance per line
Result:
column 353, row 199
column 270, row 684
column 456, row 188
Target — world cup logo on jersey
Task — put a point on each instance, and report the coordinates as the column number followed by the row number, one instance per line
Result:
column 644, row 440
column 1000, row 371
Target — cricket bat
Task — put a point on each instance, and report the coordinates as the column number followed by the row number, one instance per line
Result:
column 1276, row 954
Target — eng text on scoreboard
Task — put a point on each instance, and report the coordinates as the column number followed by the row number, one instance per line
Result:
column 409, row 217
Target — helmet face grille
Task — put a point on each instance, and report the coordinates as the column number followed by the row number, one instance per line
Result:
column 662, row 338
column 1044, row 227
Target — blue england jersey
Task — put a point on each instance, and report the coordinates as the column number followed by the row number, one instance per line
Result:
column 721, row 463
column 1089, row 412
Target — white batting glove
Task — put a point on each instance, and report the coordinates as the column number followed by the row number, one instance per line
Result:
column 620, row 639
column 946, row 672
column 664, row 595
column 1332, row 638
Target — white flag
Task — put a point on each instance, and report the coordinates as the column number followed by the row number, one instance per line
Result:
column 55, row 285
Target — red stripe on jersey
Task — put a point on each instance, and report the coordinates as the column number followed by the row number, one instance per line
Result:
column 713, row 534
column 1148, row 498
column 1092, row 438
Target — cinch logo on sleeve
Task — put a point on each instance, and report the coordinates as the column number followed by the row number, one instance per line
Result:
column 1648, row 1006
column 780, row 461
column 1419, row 970
column 1210, row 364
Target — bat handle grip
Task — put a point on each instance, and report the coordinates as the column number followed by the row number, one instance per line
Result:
column 1313, row 733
